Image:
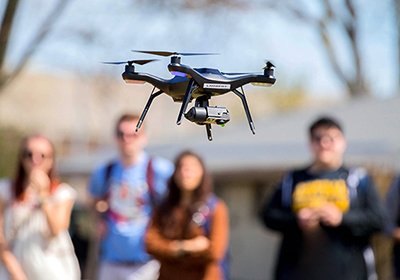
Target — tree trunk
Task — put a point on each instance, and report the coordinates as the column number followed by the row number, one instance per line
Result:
column 5, row 31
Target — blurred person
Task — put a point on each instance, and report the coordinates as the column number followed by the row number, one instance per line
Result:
column 393, row 228
column 188, row 233
column 35, row 212
column 326, row 213
column 124, row 192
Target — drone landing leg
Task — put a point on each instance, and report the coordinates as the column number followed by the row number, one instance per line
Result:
column 202, row 101
column 185, row 101
column 208, row 129
column 146, row 108
column 246, row 109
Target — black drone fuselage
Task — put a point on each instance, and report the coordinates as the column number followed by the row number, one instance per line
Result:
column 200, row 84
column 208, row 81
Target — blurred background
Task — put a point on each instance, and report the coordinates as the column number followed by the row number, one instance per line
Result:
column 337, row 57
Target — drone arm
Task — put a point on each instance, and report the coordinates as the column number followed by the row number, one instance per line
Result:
column 146, row 108
column 256, row 79
column 185, row 101
column 246, row 109
column 186, row 70
column 133, row 77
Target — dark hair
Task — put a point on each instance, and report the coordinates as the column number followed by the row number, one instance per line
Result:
column 126, row 118
column 19, row 183
column 324, row 121
column 165, row 216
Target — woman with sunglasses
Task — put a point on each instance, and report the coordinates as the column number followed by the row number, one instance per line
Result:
column 189, row 230
column 35, row 210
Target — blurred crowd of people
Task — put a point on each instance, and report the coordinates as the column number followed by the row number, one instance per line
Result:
column 156, row 219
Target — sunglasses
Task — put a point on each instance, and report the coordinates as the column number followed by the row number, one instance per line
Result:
column 122, row 135
column 27, row 154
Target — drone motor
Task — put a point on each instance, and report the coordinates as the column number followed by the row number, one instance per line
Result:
column 208, row 115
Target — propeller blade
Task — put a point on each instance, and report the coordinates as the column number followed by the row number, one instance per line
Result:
column 166, row 53
column 188, row 54
column 142, row 61
column 160, row 53
column 136, row 61
column 114, row 62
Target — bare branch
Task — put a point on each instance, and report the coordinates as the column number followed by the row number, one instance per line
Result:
column 292, row 10
column 36, row 41
column 356, row 83
column 5, row 28
column 328, row 46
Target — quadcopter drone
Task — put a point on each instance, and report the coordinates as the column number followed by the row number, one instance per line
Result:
column 196, row 83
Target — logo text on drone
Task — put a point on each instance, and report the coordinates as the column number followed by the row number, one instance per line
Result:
column 216, row 86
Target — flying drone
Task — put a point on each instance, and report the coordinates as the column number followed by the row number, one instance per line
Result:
column 199, row 84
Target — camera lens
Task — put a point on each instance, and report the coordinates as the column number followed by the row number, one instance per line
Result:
column 197, row 114
column 208, row 115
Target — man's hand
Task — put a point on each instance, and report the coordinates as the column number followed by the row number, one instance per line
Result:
column 308, row 219
column 330, row 215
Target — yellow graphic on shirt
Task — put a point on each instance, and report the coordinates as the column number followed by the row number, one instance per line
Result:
column 318, row 192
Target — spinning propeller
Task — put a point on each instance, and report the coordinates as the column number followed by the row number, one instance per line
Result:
column 130, row 62
column 175, row 56
column 129, row 67
column 166, row 53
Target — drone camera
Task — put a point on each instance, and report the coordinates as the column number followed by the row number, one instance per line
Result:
column 208, row 115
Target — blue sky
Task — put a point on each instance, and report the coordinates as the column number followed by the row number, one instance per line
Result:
column 244, row 39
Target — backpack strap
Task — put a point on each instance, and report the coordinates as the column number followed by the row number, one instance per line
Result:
column 287, row 188
column 211, row 203
column 353, row 180
column 150, row 182
column 107, row 175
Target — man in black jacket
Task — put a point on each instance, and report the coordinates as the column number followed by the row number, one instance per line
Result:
column 326, row 214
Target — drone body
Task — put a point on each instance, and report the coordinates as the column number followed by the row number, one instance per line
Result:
column 200, row 84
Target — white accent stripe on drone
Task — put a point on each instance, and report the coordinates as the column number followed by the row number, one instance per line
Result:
column 217, row 86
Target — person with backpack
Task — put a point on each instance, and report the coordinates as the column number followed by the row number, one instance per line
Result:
column 189, row 230
column 124, row 192
column 326, row 214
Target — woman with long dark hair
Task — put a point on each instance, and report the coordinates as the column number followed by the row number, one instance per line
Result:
column 35, row 211
column 189, row 230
